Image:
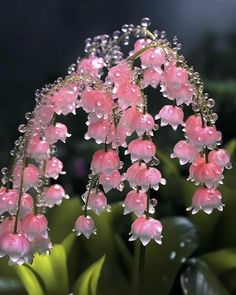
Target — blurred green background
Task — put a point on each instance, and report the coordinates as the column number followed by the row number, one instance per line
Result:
column 198, row 255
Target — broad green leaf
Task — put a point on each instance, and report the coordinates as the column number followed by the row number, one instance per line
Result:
column 88, row 281
column 52, row 270
column 198, row 279
column 169, row 164
column 163, row 262
column 30, row 281
column 68, row 243
column 221, row 261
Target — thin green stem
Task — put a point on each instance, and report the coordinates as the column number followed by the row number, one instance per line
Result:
column 91, row 186
column 138, row 273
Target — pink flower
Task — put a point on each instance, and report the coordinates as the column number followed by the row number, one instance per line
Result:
column 8, row 201
column 118, row 136
column 185, row 151
column 56, row 132
column 206, row 199
column 38, row 148
column 135, row 201
column 31, row 176
column 34, row 225
column 209, row 174
column 220, row 157
column 100, row 130
column 140, row 44
column 121, row 73
column 97, row 201
column 17, row 247
column 128, row 119
column 85, row 225
column 97, row 101
column 105, row 161
column 53, row 195
column 144, row 123
column 152, row 77
column 171, row 115
column 43, row 114
column 109, row 181
column 27, row 205
column 91, row 65
column 175, row 77
column 141, row 150
column 41, row 245
column 128, row 94
column 64, row 100
column 146, row 229
column 153, row 57
column 132, row 172
column 54, row 168
column 149, row 178
column 8, row 224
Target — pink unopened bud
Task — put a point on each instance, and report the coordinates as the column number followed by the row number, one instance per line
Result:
column 31, row 176
column 53, row 195
column 146, row 229
column 141, row 150
column 105, row 161
column 206, row 199
column 135, row 201
column 220, row 157
column 56, row 132
column 54, row 168
column 185, row 151
column 171, row 115
column 91, row 65
column 109, row 181
column 97, row 101
column 97, row 201
column 85, row 225
column 17, row 247
column 34, row 225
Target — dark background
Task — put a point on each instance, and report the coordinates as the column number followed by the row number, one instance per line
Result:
column 40, row 39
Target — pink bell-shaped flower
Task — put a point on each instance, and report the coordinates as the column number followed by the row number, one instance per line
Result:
column 105, row 161
column 146, row 229
column 220, row 157
column 31, row 176
column 128, row 119
column 209, row 174
column 144, row 123
column 27, row 205
column 38, row 148
column 175, row 76
column 53, row 195
column 171, row 115
column 128, row 94
column 153, row 57
column 206, row 199
column 8, row 224
column 54, row 168
column 8, row 201
column 150, row 178
column 109, row 181
column 121, row 73
column 140, row 149
column 135, row 201
column 17, row 247
column 152, row 77
column 34, row 225
column 56, row 132
column 132, row 172
column 97, row 201
column 100, row 130
column 85, row 225
column 91, row 65
column 41, row 245
column 96, row 101
column 185, row 151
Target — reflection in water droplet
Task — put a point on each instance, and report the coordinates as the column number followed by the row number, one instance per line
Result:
column 183, row 260
column 172, row 255
column 182, row 244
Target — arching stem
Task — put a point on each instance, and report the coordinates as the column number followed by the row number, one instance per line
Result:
column 91, row 186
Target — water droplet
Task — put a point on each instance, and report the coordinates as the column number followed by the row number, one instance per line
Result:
column 172, row 255
column 145, row 22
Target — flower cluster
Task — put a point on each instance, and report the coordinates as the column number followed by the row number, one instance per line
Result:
column 111, row 89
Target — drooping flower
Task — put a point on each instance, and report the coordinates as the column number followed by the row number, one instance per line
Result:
column 53, row 195
column 105, row 161
column 55, row 132
column 97, row 201
column 34, row 225
column 85, row 225
column 135, row 201
column 140, row 149
column 185, row 151
column 171, row 115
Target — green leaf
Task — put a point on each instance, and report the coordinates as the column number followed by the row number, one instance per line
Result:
column 198, row 279
column 88, row 281
column 68, row 243
column 52, row 270
column 169, row 165
column 163, row 262
column 30, row 281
